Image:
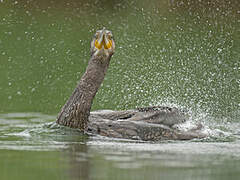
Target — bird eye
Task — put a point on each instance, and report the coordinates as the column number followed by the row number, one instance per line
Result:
column 109, row 35
column 97, row 35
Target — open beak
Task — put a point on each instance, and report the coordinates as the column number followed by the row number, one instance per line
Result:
column 103, row 42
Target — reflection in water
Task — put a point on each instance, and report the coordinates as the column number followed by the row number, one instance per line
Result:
column 79, row 163
column 31, row 139
column 106, row 160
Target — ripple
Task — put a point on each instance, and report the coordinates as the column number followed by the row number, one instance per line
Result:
column 36, row 131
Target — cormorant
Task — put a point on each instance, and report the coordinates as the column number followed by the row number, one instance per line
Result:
column 150, row 123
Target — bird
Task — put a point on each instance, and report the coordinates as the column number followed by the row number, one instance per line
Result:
column 76, row 111
column 148, row 123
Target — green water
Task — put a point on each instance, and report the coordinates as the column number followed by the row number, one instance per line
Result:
column 168, row 52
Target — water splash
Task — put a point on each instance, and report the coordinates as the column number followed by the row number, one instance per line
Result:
column 36, row 131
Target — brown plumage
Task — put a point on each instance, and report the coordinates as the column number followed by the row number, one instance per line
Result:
column 150, row 123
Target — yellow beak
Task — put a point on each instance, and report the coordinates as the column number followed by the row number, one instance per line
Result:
column 103, row 41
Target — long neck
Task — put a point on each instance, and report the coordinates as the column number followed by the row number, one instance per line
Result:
column 76, row 111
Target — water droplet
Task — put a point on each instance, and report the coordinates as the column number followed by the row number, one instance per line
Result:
column 219, row 50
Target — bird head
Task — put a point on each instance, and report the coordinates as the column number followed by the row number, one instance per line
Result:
column 102, row 43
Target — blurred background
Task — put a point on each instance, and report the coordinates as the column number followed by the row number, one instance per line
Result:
column 176, row 52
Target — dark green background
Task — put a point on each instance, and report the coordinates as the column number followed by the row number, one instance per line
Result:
column 184, row 53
